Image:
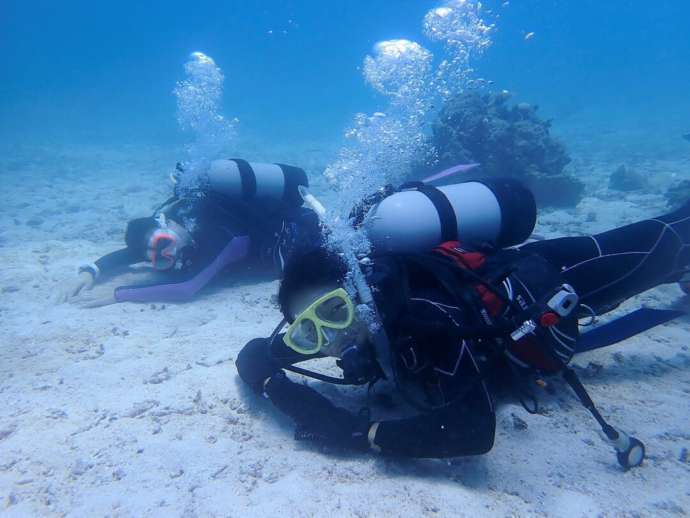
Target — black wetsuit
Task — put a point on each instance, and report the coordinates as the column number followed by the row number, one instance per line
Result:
column 425, row 327
column 275, row 234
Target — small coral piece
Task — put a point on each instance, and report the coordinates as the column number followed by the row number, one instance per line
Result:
column 626, row 179
column 678, row 194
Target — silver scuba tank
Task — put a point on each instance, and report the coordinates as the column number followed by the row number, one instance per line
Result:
column 501, row 212
column 241, row 180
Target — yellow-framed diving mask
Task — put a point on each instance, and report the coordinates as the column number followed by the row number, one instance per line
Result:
column 310, row 330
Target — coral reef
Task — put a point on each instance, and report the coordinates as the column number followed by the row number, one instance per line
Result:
column 507, row 140
column 626, row 179
column 678, row 194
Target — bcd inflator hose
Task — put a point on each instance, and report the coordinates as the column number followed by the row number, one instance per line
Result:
column 630, row 451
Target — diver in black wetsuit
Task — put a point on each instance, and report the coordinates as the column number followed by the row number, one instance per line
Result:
column 457, row 322
column 245, row 214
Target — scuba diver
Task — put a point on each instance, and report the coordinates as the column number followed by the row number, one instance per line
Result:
column 448, row 315
column 243, row 214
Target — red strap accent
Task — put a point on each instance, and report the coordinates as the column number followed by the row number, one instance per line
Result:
column 492, row 303
column 463, row 258
column 472, row 261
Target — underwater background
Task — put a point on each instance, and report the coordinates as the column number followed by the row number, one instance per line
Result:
column 135, row 410
column 85, row 72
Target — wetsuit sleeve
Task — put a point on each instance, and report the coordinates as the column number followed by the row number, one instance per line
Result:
column 463, row 428
column 262, row 358
column 260, row 365
column 116, row 262
column 466, row 427
column 236, row 250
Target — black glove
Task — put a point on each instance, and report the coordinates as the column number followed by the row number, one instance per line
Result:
column 339, row 429
column 359, row 365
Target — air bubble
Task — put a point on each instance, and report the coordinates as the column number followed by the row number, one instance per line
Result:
column 199, row 98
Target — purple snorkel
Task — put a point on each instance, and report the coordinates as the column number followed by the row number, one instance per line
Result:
column 460, row 168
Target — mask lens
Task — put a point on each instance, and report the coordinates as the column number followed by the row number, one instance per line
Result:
column 305, row 335
column 334, row 310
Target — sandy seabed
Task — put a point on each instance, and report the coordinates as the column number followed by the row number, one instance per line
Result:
column 136, row 410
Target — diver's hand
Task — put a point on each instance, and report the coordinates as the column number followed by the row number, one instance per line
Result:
column 72, row 288
column 85, row 302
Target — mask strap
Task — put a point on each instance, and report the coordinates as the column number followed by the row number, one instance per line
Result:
column 277, row 330
column 161, row 220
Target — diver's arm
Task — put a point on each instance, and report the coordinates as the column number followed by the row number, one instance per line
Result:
column 112, row 263
column 89, row 274
column 260, row 364
column 317, row 419
column 465, row 427
column 236, row 250
column 262, row 358
column 109, row 264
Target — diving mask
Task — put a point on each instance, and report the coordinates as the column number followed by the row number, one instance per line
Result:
column 162, row 248
column 164, row 244
column 317, row 325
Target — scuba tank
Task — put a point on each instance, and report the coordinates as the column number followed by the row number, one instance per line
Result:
column 237, row 179
column 416, row 218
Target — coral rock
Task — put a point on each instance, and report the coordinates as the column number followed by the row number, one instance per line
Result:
column 626, row 179
column 507, row 141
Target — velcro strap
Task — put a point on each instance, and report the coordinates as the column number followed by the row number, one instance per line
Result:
column 247, row 177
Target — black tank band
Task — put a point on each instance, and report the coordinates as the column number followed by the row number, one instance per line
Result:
column 518, row 210
column 248, row 178
column 446, row 214
column 294, row 177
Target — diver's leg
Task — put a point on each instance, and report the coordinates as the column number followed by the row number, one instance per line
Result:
column 607, row 268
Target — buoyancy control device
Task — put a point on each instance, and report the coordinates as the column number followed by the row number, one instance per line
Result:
column 537, row 311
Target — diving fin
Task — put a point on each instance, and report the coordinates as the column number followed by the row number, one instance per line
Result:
column 624, row 327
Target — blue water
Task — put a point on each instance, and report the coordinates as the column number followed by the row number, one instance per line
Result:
column 137, row 410
column 81, row 71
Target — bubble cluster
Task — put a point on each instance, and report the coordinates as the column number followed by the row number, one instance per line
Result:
column 199, row 98
column 382, row 148
column 459, row 26
column 398, row 68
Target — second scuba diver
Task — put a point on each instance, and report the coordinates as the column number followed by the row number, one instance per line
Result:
column 457, row 320
column 241, row 214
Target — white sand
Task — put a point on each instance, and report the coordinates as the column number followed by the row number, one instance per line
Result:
column 136, row 410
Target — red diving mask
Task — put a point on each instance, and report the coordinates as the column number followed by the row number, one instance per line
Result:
column 163, row 248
